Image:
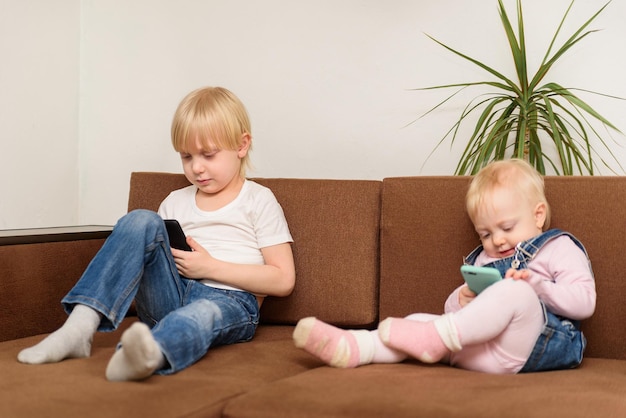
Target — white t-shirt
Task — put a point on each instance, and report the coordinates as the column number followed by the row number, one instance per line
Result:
column 234, row 233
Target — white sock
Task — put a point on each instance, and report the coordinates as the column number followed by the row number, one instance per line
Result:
column 138, row 358
column 446, row 328
column 366, row 345
column 72, row 340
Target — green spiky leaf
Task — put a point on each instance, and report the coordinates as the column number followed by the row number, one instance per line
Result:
column 523, row 118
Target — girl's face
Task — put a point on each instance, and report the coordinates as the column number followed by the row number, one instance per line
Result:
column 214, row 170
column 505, row 219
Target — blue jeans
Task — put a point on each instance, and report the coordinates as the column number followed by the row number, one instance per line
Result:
column 186, row 317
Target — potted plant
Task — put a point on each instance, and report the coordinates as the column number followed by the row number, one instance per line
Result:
column 525, row 118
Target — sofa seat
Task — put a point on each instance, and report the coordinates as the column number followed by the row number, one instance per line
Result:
column 268, row 378
column 411, row 389
column 77, row 388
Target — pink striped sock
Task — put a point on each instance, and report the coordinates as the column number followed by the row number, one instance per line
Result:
column 416, row 338
column 334, row 346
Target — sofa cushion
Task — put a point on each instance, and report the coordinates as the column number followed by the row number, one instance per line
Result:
column 78, row 388
column 410, row 389
column 335, row 226
column 425, row 233
column 594, row 210
column 148, row 189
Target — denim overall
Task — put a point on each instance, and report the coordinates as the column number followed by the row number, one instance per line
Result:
column 561, row 343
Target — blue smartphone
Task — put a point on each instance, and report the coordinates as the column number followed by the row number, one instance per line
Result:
column 479, row 278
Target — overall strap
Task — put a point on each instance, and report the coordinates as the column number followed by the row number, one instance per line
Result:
column 470, row 259
column 526, row 250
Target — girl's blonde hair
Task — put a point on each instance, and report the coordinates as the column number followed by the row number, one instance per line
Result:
column 215, row 117
column 515, row 174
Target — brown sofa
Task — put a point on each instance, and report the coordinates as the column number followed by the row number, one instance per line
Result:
column 364, row 250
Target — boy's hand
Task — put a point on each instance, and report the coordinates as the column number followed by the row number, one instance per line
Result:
column 276, row 277
column 192, row 264
column 517, row 274
column 466, row 295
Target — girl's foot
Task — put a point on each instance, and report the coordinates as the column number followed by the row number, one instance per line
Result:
column 334, row 346
column 418, row 339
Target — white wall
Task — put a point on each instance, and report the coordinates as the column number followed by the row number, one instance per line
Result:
column 327, row 84
column 39, row 74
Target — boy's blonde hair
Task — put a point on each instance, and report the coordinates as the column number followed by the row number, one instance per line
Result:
column 515, row 174
column 216, row 118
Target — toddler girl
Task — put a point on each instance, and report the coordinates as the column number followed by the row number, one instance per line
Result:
column 527, row 322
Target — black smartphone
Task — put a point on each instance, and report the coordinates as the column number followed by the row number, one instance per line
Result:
column 176, row 235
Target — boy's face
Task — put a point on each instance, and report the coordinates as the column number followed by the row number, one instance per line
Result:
column 505, row 219
column 214, row 170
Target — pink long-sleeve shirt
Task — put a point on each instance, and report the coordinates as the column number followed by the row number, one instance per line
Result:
column 560, row 274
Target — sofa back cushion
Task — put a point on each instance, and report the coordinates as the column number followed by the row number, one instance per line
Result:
column 425, row 233
column 335, row 227
column 594, row 210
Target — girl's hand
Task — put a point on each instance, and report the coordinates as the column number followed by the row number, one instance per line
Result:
column 517, row 274
column 465, row 295
column 192, row 264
